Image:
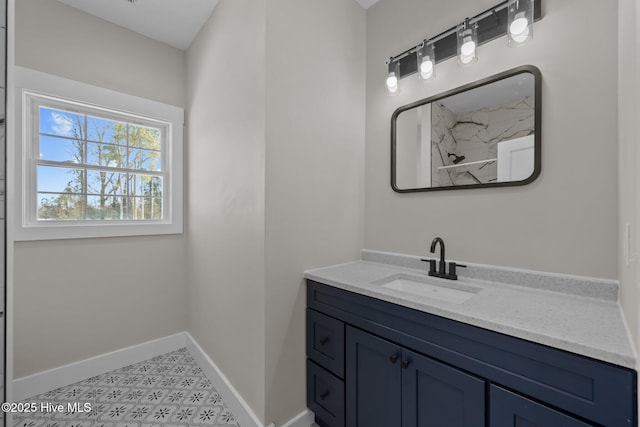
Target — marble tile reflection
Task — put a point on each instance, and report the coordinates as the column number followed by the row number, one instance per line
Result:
column 475, row 135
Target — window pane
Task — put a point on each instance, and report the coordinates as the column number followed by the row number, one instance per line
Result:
column 144, row 137
column 90, row 163
column 105, row 208
column 132, row 204
column 60, row 207
column 105, row 183
column 153, row 208
column 105, row 130
column 106, row 155
column 128, row 211
column 144, row 159
column 59, row 180
column 61, row 149
column 145, row 185
column 144, row 208
column 62, row 123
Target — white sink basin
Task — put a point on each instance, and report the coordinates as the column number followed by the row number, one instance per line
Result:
column 428, row 287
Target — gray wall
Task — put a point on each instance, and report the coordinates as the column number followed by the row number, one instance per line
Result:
column 226, row 182
column 408, row 152
column 275, row 186
column 629, row 158
column 566, row 221
column 70, row 303
column 58, row 39
column 277, row 147
column 314, row 171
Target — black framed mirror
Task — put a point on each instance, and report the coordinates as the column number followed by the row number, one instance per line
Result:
column 484, row 134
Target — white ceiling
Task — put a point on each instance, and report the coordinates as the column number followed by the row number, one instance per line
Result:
column 168, row 21
column 497, row 93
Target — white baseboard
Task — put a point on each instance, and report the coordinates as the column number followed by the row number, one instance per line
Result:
column 52, row 379
column 236, row 404
column 241, row 411
column 304, row 419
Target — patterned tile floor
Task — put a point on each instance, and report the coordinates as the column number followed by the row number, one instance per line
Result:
column 166, row 391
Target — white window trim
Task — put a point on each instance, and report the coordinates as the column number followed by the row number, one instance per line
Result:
column 35, row 82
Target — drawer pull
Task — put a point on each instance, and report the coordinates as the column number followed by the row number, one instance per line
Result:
column 325, row 340
column 324, row 395
column 406, row 363
column 393, row 358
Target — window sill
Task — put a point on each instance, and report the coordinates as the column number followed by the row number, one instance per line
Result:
column 84, row 230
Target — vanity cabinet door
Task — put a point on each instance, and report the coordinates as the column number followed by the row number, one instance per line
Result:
column 388, row 385
column 509, row 409
column 437, row 395
column 373, row 381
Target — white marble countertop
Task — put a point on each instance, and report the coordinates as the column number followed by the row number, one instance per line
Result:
column 583, row 317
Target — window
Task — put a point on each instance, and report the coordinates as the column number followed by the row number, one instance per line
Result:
column 92, row 170
column 91, row 165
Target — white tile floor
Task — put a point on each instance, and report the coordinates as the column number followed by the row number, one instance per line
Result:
column 170, row 390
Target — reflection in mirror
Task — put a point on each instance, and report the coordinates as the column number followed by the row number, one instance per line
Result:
column 483, row 134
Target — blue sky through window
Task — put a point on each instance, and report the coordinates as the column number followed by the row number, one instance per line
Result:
column 64, row 124
column 62, row 139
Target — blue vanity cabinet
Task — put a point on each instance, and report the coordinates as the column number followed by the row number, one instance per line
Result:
column 435, row 394
column 325, row 396
column 325, row 369
column 325, row 342
column 509, row 409
column 373, row 380
column 387, row 383
column 400, row 367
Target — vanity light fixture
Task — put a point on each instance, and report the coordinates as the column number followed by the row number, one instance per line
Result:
column 467, row 42
column 426, row 61
column 393, row 77
column 513, row 18
column 520, row 22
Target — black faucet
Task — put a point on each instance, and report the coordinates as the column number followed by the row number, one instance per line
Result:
column 442, row 265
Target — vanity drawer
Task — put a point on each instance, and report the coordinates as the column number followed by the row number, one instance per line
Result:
column 509, row 409
column 325, row 396
column 325, row 341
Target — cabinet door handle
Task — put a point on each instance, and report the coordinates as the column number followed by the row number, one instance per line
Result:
column 325, row 340
column 406, row 363
column 324, row 395
column 393, row 358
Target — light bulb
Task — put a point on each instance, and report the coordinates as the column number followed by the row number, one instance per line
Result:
column 392, row 83
column 426, row 68
column 466, row 59
column 520, row 17
column 519, row 38
column 425, row 55
column 468, row 46
column 519, row 26
column 467, row 42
